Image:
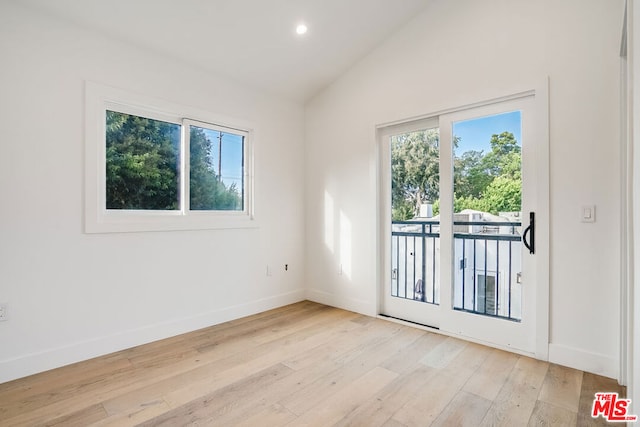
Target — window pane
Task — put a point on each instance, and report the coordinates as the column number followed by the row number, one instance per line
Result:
column 415, row 229
column 487, row 214
column 142, row 163
column 415, row 175
column 487, row 164
column 216, row 170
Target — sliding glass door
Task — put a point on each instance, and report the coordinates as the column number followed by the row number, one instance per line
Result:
column 460, row 195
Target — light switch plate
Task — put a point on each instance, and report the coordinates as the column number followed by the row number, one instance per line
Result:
column 588, row 213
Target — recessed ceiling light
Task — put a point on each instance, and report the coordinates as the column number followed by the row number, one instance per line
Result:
column 301, row 29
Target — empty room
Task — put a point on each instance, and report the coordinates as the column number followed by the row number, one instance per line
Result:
column 319, row 212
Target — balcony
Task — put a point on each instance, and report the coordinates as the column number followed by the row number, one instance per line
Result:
column 486, row 271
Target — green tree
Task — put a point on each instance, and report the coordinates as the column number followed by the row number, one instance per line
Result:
column 491, row 182
column 504, row 194
column 471, row 176
column 142, row 160
column 415, row 172
column 207, row 191
column 504, row 157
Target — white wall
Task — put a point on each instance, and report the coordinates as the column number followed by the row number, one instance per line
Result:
column 72, row 296
column 457, row 53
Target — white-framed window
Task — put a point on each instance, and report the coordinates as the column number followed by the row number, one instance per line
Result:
column 152, row 166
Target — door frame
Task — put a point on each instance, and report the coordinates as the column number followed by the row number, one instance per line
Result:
column 540, row 91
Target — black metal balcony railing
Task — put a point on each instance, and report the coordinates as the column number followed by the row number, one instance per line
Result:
column 487, row 257
column 414, row 273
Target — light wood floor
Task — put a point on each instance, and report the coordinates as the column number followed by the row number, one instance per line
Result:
column 306, row 364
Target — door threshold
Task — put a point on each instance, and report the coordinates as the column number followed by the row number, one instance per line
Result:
column 408, row 321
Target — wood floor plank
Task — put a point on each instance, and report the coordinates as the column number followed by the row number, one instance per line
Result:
column 250, row 363
column 407, row 359
column 133, row 418
column 290, row 325
column 387, row 332
column 21, row 395
column 393, row 423
column 84, row 417
column 306, row 363
column 260, row 400
column 124, row 376
column 455, row 361
column 323, row 364
column 344, row 346
column 274, row 415
column 223, row 400
column 345, row 400
column 592, row 384
column 562, row 387
column 181, row 389
column 131, row 380
column 381, row 407
column 443, row 353
column 549, row 415
column 466, row 362
column 362, row 359
column 517, row 398
column 224, row 347
column 238, row 329
column 490, row 377
column 426, row 406
column 466, row 409
column 60, row 375
column 256, row 328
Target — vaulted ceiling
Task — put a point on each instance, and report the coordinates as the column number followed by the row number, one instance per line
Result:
column 251, row 41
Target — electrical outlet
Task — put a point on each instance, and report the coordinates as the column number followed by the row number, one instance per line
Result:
column 4, row 315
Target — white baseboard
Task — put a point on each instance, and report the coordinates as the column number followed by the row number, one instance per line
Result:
column 351, row 304
column 30, row 364
column 583, row 360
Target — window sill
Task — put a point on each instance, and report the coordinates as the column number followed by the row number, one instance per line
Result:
column 150, row 222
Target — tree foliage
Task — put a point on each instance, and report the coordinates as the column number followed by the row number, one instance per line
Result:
column 207, row 191
column 490, row 182
column 415, row 170
column 142, row 167
column 142, row 160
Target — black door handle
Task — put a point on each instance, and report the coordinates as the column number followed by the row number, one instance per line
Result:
column 531, row 229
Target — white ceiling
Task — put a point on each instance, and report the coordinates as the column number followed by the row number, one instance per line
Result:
column 251, row 41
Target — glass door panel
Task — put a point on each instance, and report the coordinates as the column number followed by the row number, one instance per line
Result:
column 415, row 195
column 490, row 186
column 412, row 226
column 487, row 212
